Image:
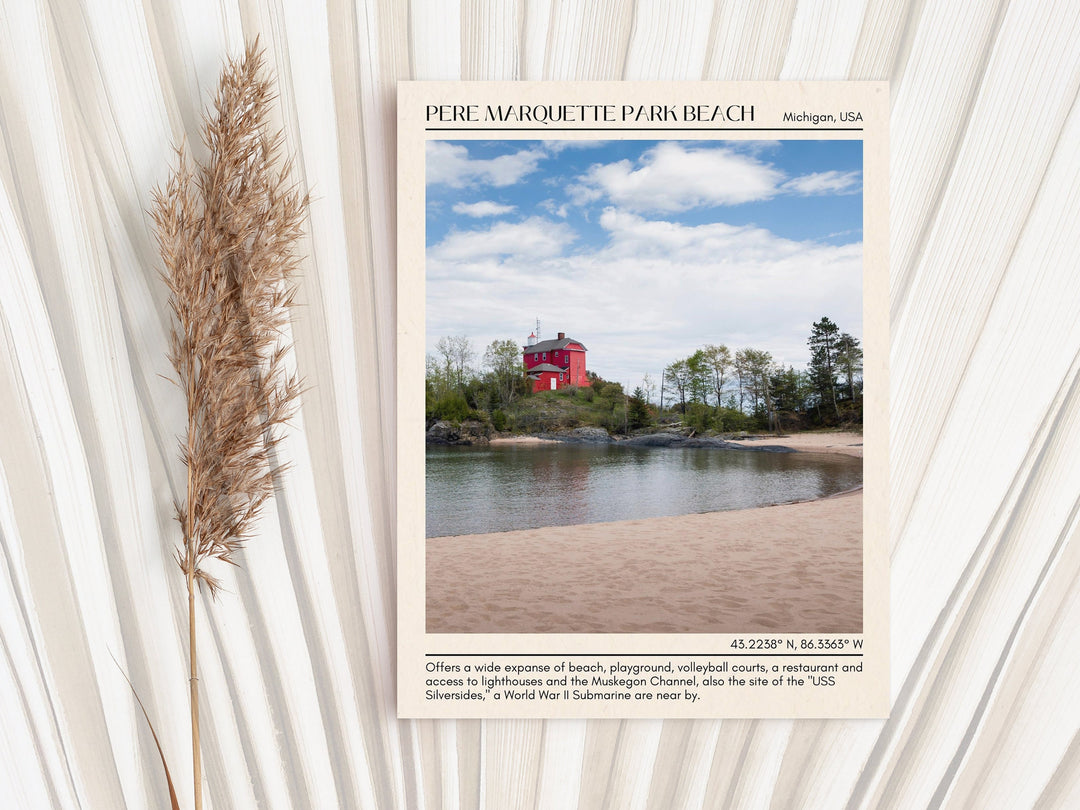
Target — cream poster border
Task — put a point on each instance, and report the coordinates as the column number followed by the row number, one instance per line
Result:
column 862, row 694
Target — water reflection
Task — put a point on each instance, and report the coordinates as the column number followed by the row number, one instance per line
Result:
column 473, row 490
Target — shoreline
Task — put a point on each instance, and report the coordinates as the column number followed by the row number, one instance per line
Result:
column 845, row 443
column 522, row 440
column 793, row 567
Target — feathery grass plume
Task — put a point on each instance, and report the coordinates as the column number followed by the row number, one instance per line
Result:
column 227, row 231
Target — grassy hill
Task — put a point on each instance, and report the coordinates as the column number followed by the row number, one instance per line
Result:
column 600, row 406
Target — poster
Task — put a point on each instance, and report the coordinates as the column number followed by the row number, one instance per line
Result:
column 642, row 385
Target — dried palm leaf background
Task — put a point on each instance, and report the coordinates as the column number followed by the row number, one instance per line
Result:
column 297, row 658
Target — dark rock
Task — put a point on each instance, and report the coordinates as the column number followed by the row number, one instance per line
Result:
column 675, row 440
column 581, row 435
column 655, row 440
column 591, row 435
column 464, row 434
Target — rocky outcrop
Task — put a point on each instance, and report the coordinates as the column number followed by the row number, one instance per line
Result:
column 465, row 433
column 581, row 435
column 657, row 440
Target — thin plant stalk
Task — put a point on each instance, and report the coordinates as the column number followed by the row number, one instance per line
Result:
column 193, row 684
column 193, row 680
column 227, row 229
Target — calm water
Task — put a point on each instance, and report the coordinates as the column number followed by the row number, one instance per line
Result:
column 474, row 490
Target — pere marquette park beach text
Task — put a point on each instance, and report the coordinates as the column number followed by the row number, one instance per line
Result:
column 589, row 113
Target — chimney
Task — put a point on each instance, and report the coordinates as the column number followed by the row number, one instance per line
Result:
column 562, row 335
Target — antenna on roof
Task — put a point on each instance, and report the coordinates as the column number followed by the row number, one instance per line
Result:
column 538, row 330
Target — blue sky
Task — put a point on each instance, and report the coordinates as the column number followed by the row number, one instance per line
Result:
column 644, row 250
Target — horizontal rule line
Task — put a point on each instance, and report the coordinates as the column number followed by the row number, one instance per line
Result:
column 643, row 655
column 643, row 129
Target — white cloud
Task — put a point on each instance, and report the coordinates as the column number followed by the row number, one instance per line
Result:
column 583, row 194
column 672, row 177
column 449, row 164
column 832, row 182
column 754, row 147
column 534, row 238
column 654, row 292
column 555, row 147
column 484, row 208
column 554, row 208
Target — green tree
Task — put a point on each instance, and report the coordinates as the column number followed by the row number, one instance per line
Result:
column 823, row 342
column 677, row 382
column 438, row 384
column 502, row 359
column 757, row 371
column 455, row 353
column 789, row 390
column 849, row 362
column 697, row 382
column 637, row 410
column 718, row 361
column 741, row 366
column 698, row 416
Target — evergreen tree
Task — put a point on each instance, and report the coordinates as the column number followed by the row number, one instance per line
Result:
column 849, row 361
column 823, row 342
column 789, row 388
column 637, row 410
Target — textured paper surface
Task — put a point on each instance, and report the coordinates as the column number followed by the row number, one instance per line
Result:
column 426, row 111
column 299, row 676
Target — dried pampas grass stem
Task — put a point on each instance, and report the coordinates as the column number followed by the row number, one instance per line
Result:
column 227, row 231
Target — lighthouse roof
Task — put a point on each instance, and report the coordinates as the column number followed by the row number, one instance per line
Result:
column 551, row 345
column 545, row 367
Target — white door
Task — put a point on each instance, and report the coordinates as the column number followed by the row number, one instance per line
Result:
column 553, row 384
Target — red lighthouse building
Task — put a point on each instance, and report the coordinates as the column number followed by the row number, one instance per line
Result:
column 553, row 364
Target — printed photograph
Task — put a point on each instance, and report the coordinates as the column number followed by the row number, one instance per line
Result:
column 644, row 386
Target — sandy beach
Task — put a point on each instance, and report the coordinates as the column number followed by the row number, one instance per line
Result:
column 788, row 568
column 520, row 440
column 843, row 443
